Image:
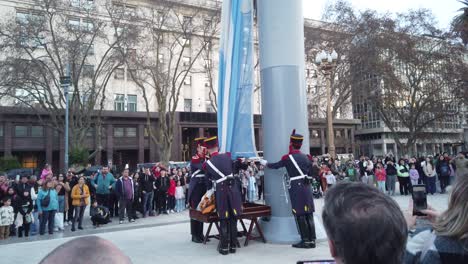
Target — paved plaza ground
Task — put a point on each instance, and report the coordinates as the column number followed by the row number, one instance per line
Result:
column 166, row 239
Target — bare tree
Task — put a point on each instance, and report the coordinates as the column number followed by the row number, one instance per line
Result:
column 169, row 51
column 57, row 38
column 409, row 72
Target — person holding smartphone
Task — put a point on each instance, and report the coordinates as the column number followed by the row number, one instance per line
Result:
column 447, row 241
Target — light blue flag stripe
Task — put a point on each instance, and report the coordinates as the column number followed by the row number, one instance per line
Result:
column 235, row 118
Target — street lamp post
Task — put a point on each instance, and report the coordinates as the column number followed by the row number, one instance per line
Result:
column 65, row 83
column 326, row 61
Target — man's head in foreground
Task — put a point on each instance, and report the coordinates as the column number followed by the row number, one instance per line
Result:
column 363, row 225
column 90, row 249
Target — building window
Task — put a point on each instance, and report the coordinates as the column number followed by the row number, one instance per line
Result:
column 187, row 20
column 21, row 131
column 146, row 134
column 315, row 134
column 188, row 80
column 88, row 70
column 186, row 61
column 1, row 131
column 132, row 103
column 90, row 132
column 37, row 131
column 187, row 105
column 29, row 162
column 209, row 107
column 131, row 131
column 119, row 74
column 185, row 42
column 119, row 102
column 118, row 131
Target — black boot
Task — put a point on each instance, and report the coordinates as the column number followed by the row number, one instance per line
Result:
column 194, row 231
column 311, row 231
column 223, row 247
column 234, row 243
column 20, row 231
column 302, row 228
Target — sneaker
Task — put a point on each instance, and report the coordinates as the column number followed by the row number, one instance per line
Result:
column 65, row 224
column 132, row 220
column 120, row 222
column 56, row 229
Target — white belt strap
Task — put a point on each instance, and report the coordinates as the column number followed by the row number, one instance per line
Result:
column 297, row 178
column 223, row 177
column 195, row 173
column 297, row 166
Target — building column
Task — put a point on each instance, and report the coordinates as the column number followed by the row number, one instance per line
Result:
column 141, row 143
column 201, row 132
column 353, row 140
column 8, row 138
column 346, row 145
column 176, row 151
column 384, row 148
column 110, row 144
column 322, row 140
column 424, row 149
column 433, row 149
column 48, row 144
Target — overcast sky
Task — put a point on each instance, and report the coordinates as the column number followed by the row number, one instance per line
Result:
column 444, row 10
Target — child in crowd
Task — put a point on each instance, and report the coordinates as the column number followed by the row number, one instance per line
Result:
column 381, row 176
column 414, row 175
column 251, row 187
column 180, row 198
column 331, row 179
column 24, row 215
column 171, row 195
column 7, row 217
column 99, row 214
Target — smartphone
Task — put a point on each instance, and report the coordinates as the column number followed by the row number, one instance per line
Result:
column 316, row 262
column 419, row 199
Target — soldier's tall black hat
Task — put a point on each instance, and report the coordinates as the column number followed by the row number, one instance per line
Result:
column 211, row 142
column 296, row 139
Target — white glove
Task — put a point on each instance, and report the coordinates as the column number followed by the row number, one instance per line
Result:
column 263, row 162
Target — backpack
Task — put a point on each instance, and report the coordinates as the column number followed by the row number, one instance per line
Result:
column 46, row 200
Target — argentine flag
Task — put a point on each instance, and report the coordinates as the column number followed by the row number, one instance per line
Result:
column 235, row 100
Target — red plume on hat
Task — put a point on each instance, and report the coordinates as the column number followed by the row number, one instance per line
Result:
column 293, row 132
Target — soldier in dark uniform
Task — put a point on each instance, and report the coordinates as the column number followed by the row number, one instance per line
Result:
column 227, row 196
column 299, row 167
column 197, row 187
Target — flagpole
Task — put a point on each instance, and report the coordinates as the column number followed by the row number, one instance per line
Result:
column 284, row 107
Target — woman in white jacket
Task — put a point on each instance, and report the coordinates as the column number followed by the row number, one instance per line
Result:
column 430, row 172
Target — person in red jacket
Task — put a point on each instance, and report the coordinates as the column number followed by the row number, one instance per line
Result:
column 381, row 176
column 171, row 195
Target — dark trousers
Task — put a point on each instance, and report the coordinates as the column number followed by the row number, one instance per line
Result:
column 431, row 185
column 103, row 199
column 71, row 209
column 147, row 202
column 125, row 206
column 155, row 203
column 113, row 205
column 444, row 182
column 244, row 194
column 162, row 202
column 136, row 207
column 260, row 191
column 79, row 211
column 47, row 217
column 228, row 234
column 404, row 185
column 170, row 202
column 24, row 227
